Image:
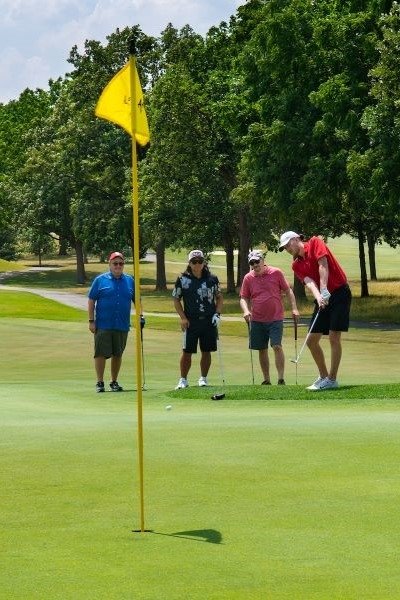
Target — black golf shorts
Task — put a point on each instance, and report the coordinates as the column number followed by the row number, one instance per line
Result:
column 335, row 316
column 203, row 331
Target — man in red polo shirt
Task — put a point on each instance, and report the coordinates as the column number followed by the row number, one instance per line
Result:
column 314, row 264
column 261, row 303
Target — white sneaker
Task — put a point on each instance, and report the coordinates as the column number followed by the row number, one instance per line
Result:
column 203, row 381
column 328, row 384
column 182, row 383
column 315, row 386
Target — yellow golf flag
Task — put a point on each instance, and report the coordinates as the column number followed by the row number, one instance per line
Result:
column 114, row 105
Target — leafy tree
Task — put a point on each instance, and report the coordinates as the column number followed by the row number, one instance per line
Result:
column 198, row 117
column 339, row 138
column 183, row 190
column 307, row 65
column 17, row 118
column 181, row 199
column 279, row 68
column 76, row 182
column 383, row 127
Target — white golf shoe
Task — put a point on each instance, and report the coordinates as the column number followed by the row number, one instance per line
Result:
column 328, row 384
column 203, row 381
column 323, row 383
column 182, row 383
column 316, row 385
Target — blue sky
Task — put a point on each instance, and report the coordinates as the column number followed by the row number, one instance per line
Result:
column 37, row 35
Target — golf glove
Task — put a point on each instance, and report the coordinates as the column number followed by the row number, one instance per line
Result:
column 142, row 321
column 325, row 295
column 216, row 320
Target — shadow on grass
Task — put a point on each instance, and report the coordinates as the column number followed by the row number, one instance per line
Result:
column 210, row 536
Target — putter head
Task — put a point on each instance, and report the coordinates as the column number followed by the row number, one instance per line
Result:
column 218, row 397
column 294, row 360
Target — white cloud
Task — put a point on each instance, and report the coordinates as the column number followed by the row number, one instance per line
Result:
column 13, row 11
column 26, row 72
column 36, row 36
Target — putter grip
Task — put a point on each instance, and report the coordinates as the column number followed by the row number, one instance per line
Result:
column 295, row 329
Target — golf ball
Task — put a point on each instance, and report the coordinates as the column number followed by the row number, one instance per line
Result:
column 168, row 407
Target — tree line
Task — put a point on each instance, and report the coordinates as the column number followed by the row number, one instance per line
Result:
column 287, row 117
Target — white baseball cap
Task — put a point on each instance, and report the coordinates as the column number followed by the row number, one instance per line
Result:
column 286, row 237
column 195, row 254
column 255, row 255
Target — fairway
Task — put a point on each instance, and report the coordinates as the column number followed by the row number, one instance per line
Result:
column 276, row 493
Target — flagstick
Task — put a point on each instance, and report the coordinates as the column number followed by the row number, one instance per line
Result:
column 136, row 251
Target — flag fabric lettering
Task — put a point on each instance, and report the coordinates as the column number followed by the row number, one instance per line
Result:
column 114, row 105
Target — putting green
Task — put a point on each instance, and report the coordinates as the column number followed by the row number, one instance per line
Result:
column 270, row 493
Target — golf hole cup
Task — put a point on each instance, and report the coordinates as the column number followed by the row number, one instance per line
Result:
column 217, row 396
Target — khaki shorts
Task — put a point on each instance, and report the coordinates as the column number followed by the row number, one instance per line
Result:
column 109, row 342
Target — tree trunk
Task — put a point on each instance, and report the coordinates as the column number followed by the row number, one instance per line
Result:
column 62, row 246
column 80, row 263
column 244, row 247
column 371, row 257
column 230, row 264
column 161, row 278
column 363, row 267
column 40, row 258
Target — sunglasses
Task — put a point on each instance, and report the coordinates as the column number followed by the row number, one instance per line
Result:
column 197, row 261
column 118, row 264
column 254, row 262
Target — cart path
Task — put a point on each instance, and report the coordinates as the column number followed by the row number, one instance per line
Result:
column 79, row 301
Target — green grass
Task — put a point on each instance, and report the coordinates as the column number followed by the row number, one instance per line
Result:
column 377, row 308
column 27, row 305
column 273, row 492
column 344, row 248
column 289, row 396
column 8, row 266
column 382, row 305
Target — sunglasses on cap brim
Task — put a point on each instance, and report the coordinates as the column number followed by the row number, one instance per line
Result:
column 197, row 261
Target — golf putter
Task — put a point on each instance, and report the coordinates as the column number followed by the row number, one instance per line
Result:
column 295, row 341
column 296, row 360
column 251, row 352
column 143, row 369
column 221, row 370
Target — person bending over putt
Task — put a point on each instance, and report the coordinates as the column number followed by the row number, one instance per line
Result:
column 314, row 264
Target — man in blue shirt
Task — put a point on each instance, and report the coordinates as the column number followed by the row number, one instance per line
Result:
column 109, row 305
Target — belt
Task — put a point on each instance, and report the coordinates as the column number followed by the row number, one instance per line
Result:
column 202, row 318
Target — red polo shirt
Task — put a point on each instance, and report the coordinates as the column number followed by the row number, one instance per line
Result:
column 307, row 266
column 265, row 292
